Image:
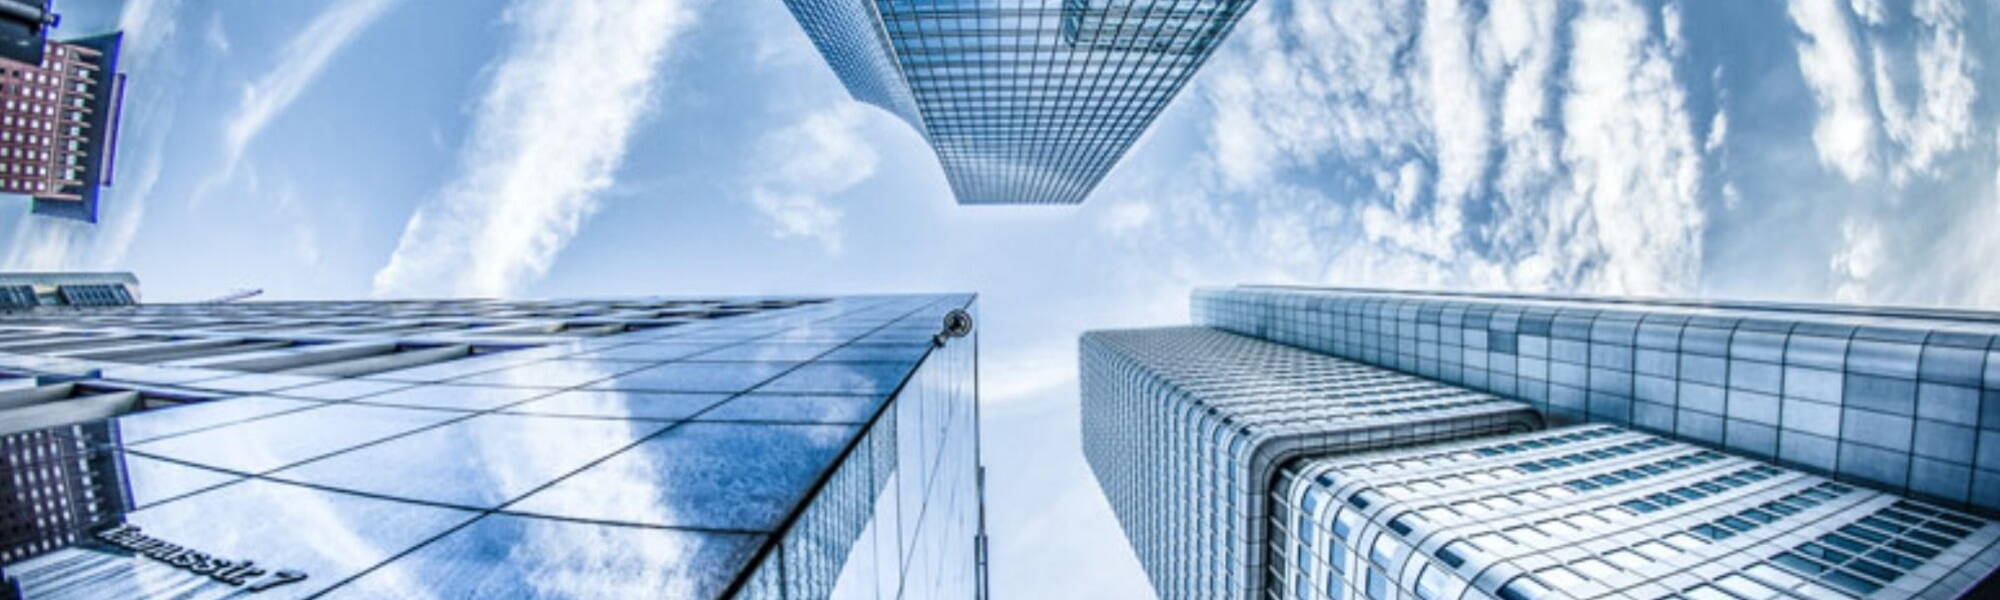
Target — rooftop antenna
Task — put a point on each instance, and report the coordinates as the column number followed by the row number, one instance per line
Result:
column 241, row 294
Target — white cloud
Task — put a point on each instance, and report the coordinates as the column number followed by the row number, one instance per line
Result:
column 1456, row 94
column 1830, row 60
column 298, row 64
column 147, row 24
column 1281, row 103
column 550, row 130
column 1125, row 217
column 1940, row 120
column 1857, row 260
column 1870, row 11
column 1718, row 131
column 216, row 38
column 1670, row 26
column 1921, row 82
column 1635, row 172
column 821, row 155
column 1486, row 158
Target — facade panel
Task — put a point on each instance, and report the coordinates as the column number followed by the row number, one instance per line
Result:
column 1663, row 479
column 1600, row 511
column 799, row 447
column 1186, row 427
column 1891, row 397
column 1024, row 101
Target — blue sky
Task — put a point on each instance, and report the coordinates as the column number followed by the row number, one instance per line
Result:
column 1803, row 149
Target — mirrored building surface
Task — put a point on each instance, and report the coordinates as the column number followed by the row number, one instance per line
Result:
column 1025, row 101
column 798, row 447
column 1709, row 450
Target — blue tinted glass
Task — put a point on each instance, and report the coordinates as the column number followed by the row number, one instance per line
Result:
column 265, row 520
column 757, row 351
column 879, row 352
column 454, row 463
column 153, row 480
column 696, row 377
column 718, row 475
column 841, row 378
column 620, row 405
column 795, row 408
column 152, row 424
column 504, row 556
column 266, row 444
column 457, row 397
column 550, row 373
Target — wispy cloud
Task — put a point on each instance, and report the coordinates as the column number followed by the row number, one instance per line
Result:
column 1888, row 97
column 1857, row 260
column 297, row 66
column 1939, row 121
column 801, row 165
column 1466, row 148
column 551, row 129
column 215, row 37
column 1830, row 60
column 147, row 24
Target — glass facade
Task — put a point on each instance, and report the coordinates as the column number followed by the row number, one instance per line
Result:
column 1025, row 101
column 1595, row 510
column 1903, row 399
column 1704, row 450
column 1184, row 428
column 654, row 447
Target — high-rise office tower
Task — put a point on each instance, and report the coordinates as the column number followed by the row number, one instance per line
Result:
column 1185, row 427
column 1616, row 502
column 59, row 124
column 1903, row 399
column 1025, row 101
column 1595, row 511
column 795, row 447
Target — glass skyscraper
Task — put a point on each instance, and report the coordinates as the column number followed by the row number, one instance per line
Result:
column 795, row 447
column 1698, row 450
column 1025, row 101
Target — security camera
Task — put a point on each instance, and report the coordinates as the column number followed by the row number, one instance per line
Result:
column 957, row 323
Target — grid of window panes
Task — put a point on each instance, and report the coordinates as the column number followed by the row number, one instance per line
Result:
column 851, row 40
column 95, row 295
column 1599, row 511
column 895, row 518
column 18, row 296
column 218, row 344
column 1030, row 101
column 660, row 447
column 1185, row 426
column 1904, row 399
column 57, row 488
